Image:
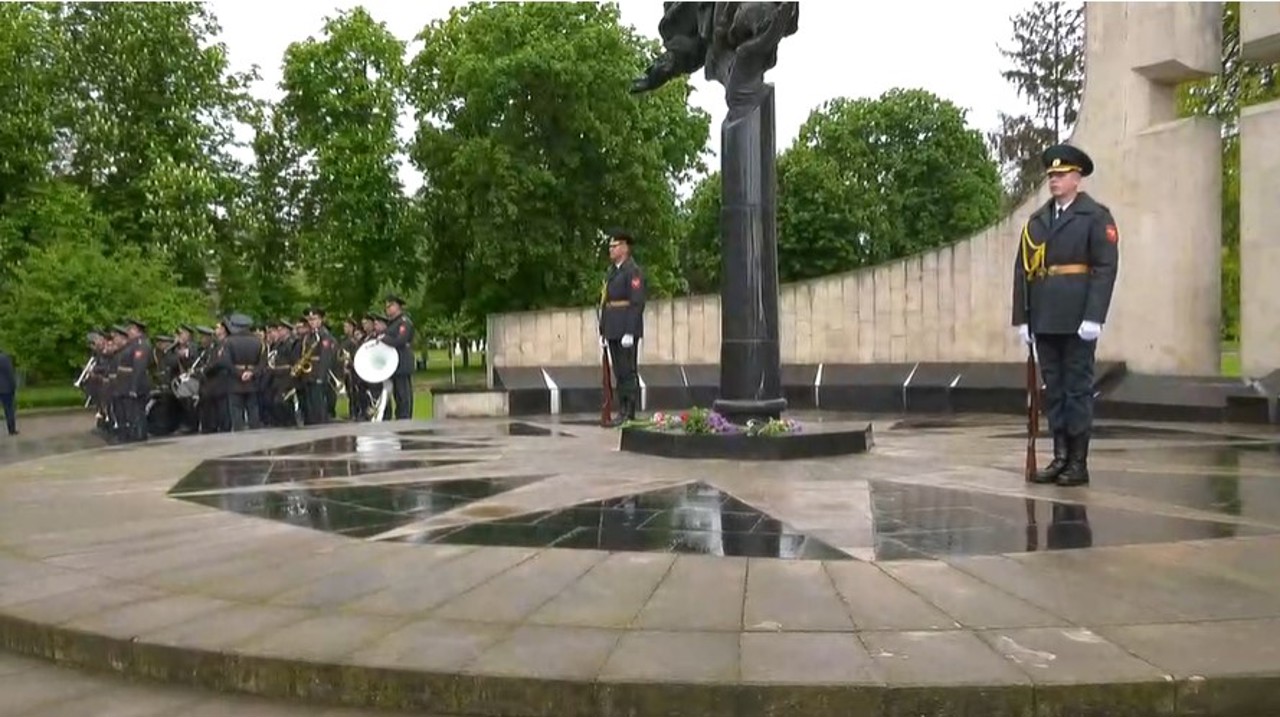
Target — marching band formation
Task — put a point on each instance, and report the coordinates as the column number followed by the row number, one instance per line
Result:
column 237, row 376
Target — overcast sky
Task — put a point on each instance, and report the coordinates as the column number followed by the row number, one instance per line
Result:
column 842, row 49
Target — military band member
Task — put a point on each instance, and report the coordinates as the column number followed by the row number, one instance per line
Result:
column 243, row 362
column 399, row 335
column 94, row 385
column 133, row 372
column 216, row 388
column 312, row 370
column 352, row 338
column 622, row 299
column 1064, row 273
column 111, row 388
column 183, row 359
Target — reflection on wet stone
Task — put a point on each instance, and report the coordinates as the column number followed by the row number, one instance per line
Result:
column 228, row 474
column 696, row 518
column 361, row 511
column 924, row 522
column 368, row 444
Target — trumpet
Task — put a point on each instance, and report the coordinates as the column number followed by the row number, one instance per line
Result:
column 338, row 387
column 84, row 373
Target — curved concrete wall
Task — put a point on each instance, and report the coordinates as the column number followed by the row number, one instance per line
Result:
column 1160, row 176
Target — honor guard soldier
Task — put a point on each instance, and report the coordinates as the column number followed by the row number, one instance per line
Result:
column 399, row 335
column 622, row 320
column 1064, row 272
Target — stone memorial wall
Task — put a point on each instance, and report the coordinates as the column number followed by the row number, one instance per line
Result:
column 1160, row 176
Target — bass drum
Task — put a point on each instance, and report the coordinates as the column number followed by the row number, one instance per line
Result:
column 187, row 389
column 164, row 414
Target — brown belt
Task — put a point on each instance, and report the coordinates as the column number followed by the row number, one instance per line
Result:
column 1064, row 269
column 246, row 367
column 621, row 302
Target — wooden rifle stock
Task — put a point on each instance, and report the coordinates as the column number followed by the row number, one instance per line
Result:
column 1033, row 412
column 606, row 409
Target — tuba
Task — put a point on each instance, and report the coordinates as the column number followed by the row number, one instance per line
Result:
column 375, row 362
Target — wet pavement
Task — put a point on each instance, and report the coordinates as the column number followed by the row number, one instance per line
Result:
column 812, row 587
column 896, row 521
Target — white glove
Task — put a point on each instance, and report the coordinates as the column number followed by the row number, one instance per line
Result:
column 1089, row 331
column 1024, row 333
column 628, row 341
column 604, row 343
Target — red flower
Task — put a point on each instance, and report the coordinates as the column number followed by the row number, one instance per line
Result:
column 684, row 416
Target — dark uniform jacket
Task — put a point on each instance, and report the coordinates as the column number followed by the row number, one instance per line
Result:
column 243, row 352
column 217, row 374
column 622, row 302
column 1084, row 236
column 323, row 354
column 400, row 337
column 134, row 368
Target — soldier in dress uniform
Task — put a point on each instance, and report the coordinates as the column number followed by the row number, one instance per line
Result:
column 399, row 335
column 134, row 375
column 183, row 357
column 112, row 392
column 352, row 337
column 319, row 344
column 218, row 379
column 243, row 362
column 95, row 384
column 622, row 300
column 1064, row 272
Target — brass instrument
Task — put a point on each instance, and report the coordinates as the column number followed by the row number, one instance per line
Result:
column 303, row 366
column 88, row 368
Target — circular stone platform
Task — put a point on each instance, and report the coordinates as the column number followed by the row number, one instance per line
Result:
column 528, row 569
column 821, row 441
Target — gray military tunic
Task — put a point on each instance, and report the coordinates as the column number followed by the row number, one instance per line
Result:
column 1073, row 263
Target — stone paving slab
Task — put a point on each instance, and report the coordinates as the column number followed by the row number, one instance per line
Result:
column 120, row 578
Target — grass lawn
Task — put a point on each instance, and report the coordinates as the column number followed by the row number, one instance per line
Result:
column 1230, row 359
column 67, row 396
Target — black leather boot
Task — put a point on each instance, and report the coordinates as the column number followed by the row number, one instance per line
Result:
column 1054, row 469
column 1077, row 470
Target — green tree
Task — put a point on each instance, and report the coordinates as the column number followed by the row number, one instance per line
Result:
column 341, row 106
column 146, row 116
column 73, row 281
column 29, row 51
column 699, row 246
column 1047, row 67
column 1239, row 85
column 530, row 144
column 258, row 261
column 867, row 181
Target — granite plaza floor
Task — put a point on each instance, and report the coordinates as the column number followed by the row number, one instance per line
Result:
column 526, row 567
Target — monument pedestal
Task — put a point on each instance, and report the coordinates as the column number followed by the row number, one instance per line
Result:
column 750, row 362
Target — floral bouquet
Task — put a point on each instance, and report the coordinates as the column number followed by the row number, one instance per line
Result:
column 707, row 421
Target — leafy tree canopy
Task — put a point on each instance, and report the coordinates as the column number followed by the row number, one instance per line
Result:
column 530, row 145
